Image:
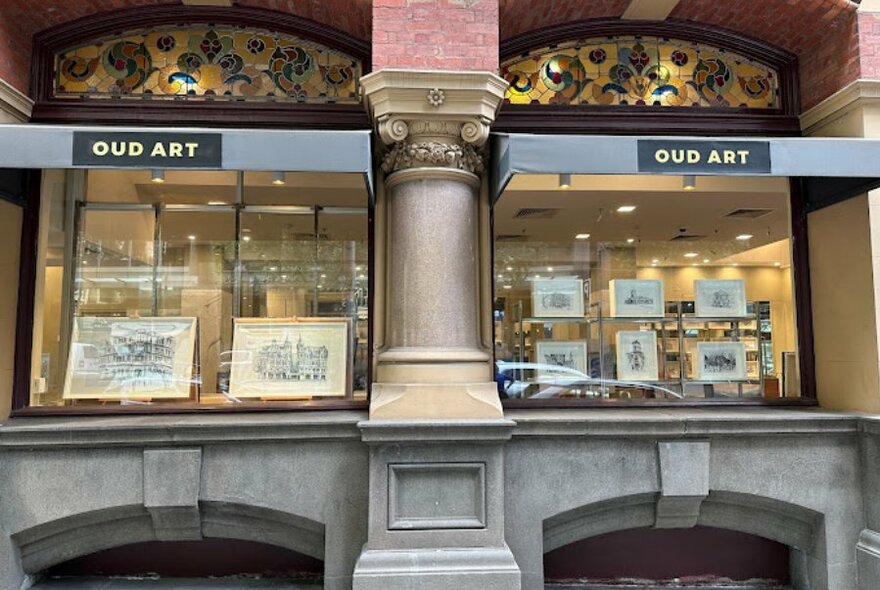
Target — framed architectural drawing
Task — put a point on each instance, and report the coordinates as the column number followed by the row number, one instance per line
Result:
column 719, row 298
column 119, row 358
column 558, row 298
column 284, row 358
column 570, row 354
column 636, row 298
column 721, row 361
column 637, row 356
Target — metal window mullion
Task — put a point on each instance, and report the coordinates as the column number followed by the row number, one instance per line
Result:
column 157, row 259
column 236, row 247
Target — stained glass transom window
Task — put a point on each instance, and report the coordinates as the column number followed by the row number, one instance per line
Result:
column 207, row 62
column 640, row 71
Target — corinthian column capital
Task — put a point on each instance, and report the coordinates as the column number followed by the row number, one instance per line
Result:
column 433, row 119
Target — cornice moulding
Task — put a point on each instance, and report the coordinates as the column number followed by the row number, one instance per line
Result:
column 15, row 102
column 859, row 92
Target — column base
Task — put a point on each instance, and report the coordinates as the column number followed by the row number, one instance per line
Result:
column 437, row 569
column 405, row 401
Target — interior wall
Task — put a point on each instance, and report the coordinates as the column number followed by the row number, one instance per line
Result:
column 844, row 294
column 10, row 247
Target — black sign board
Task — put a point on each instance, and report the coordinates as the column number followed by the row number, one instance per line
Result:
column 147, row 150
column 704, row 157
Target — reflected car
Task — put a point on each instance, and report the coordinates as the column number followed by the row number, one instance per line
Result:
column 542, row 381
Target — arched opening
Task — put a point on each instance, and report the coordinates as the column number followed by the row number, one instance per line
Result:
column 701, row 557
column 225, row 561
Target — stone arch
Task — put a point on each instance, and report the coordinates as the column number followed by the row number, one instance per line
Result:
column 50, row 543
column 796, row 526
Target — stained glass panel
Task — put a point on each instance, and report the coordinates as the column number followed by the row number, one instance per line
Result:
column 207, row 62
column 640, row 71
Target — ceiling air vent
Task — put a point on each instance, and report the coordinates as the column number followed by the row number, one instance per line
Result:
column 536, row 213
column 746, row 213
column 687, row 238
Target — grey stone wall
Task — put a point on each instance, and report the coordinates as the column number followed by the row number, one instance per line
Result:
column 809, row 479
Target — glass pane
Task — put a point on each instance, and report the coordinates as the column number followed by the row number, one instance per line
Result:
column 167, row 187
column 632, row 287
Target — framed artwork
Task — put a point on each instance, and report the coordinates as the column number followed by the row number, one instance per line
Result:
column 637, row 356
column 558, row 298
column 571, row 354
column 719, row 298
column 296, row 357
column 721, row 361
column 118, row 358
column 636, row 298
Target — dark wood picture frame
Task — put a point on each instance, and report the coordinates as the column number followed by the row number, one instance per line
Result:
column 277, row 114
column 633, row 120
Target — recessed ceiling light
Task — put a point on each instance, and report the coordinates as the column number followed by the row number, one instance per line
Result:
column 509, row 268
column 626, row 208
column 216, row 203
column 500, row 276
column 705, row 260
column 191, row 237
column 582, row 237
column 630, row 240
column 246, row 238
column 744, row 237
column 655, row 261
column 549, row 269
column 508, row 287
column 777, row 264
column 284, row 277
column 537, row 276
column 273, row 268
column 735, row 264
column 691, row 254
column 696, row 264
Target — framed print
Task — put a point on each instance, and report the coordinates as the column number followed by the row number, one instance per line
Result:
column 719, row 298
column 118, row 358
column 637, row 356
column 636, row 298
column 721, row 361
column 571, row 354
column 297, row 357
column 558, row 298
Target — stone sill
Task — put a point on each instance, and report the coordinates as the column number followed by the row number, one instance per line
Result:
column 180, row 429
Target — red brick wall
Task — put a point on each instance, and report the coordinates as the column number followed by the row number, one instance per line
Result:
column 869, row 45
column 435, row 34
column 21, row 19
column 522, row 16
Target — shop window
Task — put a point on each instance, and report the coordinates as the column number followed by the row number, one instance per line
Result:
column 636, row 288
column 200, row 288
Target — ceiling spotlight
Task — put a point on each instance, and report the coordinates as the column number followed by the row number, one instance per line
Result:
column 735, row 264
column 157, row 175
column 705, row 260
column 691, row 254
column 688, row 182
column 246, row 238
column 630, row 240
column 549, row 269
column 278, row 178
column 508, row 287
column 509, row 268
column 744, row 237
column 626, row 208
column 565, row 181
column 655, row 261
column 777, row 264
column 191, row 237
column 582, row 237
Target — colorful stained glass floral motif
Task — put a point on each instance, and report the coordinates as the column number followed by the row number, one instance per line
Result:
column 207, row 62
column 640, row 71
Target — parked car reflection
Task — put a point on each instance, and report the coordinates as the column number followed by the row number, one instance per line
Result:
column 518, row 380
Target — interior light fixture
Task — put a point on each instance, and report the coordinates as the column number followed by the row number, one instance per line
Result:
column 582, row 237
column 157, row 175
column 688, row 182
column 744, row 237
column 216, row 203
column 549, row 269
column 246, row 238
column 655, row 261
column 705, row 260
column 630, row 240
column 777, row 264
column 191, row 237
column 278, row 178
column 565, row 181
column 508, row 287
column 626, row 208
column 691, row 254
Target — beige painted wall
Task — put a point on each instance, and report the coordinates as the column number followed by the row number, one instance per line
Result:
column 844, row 317
column 10, row 241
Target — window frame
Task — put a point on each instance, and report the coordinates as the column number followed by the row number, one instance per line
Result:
column 632, row 120
column 273, row 114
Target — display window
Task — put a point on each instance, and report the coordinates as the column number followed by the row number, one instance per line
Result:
column 662, row 288
column 192, row 288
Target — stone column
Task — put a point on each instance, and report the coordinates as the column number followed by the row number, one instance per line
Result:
column 436, row 430
column 430, row 359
